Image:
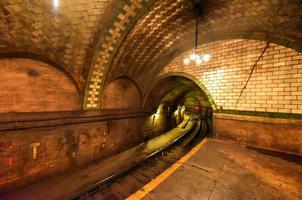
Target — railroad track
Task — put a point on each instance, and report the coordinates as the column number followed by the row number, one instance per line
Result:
column 131, row 180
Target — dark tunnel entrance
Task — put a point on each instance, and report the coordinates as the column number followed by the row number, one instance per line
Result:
column 174, row 95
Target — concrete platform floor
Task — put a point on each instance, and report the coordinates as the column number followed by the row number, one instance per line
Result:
column 226, row 170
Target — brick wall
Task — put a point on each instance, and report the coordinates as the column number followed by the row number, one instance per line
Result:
column 33, row 86
column 269, row 133
column 275, row 86
column 62, row 147
column 121, row 93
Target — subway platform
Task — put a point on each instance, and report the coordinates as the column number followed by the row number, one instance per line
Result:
column 215, row 169
column 224, row 170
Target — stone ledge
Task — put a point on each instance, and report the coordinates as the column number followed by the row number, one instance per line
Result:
column 270, row 120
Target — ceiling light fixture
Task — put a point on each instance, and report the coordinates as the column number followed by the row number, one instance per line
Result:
column 56, row 3
column 195, row 56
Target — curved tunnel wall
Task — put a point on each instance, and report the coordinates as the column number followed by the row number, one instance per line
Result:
column 273, row 92
column 33, row 86
column 275, row 85
column 169, row 93
column 175, row 87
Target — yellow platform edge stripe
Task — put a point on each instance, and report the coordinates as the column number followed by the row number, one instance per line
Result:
column 141, row 193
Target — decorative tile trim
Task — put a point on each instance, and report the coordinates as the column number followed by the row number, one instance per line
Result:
column 127, row 15
column 259, row 119
column 192, row 78
column 261, row 114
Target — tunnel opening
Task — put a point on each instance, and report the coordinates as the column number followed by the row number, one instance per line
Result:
column 174, row 95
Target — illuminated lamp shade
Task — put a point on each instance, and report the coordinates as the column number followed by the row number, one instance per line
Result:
column 55, row 3
column 193, row 56
column 198, row 61
column 206, row 57
column 186, row 61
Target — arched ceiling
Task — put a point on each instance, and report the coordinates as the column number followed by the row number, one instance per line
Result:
column 174, row 89
column 98, row 40
column 64, row 34
column 167, row 29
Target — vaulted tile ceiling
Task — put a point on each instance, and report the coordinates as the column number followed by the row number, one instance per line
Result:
column 168, row 29
column 64, row 35
column 99, row 40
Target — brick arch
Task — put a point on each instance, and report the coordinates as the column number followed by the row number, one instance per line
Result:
column 184, row 75
column 121, row 93
column 31, row 85
column 274, row 85
column 35, row 56
column 139, row 89
column 128, row 48
column 65, row 33
column 124, row 15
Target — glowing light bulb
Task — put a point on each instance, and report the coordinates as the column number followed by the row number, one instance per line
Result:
column 206, row 57
column 193, row 56
column 198, row 61
column 186, row 61
column 56, row 3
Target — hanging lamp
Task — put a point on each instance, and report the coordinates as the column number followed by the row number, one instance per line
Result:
column 195, row 57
